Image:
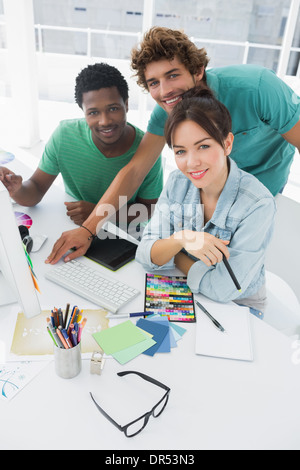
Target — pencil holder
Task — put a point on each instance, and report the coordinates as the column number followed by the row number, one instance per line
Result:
column 67, row 361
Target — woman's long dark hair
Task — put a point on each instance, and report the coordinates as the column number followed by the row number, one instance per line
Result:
column 200, row 106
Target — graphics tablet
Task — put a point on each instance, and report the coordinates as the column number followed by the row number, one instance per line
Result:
column 113, row 253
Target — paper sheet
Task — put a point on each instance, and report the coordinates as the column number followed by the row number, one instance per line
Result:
column 130, row 353
column 15, row 376
column 31, row 340
column 119, row 337
column 235, row 343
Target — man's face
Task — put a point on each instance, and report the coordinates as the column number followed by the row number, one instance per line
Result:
column 106, row 115
column 168, row 80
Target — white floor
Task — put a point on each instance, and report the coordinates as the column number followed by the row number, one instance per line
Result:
column 50, row 113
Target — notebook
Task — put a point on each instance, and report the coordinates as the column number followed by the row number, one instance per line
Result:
column 235, row 343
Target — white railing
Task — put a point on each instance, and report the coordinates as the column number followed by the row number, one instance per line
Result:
column 87, row 31
column 138, row 36
column 247, row 45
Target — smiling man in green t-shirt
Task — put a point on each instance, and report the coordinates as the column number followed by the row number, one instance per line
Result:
column 89, row 152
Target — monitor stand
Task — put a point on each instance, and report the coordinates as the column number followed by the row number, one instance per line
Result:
column 7, row 295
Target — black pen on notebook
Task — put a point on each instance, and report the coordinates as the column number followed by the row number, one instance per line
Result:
column 227, row 265
column 215, row 322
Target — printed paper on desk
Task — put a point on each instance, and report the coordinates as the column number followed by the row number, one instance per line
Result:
column 15, row 376
column 32, row 342
column 235, row 343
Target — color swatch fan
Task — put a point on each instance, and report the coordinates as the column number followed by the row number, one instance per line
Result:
column 23, row 219
column 5, row 157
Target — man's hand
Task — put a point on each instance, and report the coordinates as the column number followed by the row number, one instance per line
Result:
column 11, row 181
column 77, row 238
column 79, row 211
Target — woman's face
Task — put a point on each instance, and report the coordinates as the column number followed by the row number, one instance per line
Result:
column 200, row 158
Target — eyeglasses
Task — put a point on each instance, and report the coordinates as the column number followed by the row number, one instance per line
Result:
column 136, row 426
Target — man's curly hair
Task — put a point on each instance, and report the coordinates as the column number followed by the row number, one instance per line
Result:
column 164, row 43
column 96, row 76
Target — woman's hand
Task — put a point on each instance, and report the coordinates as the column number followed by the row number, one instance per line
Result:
column 203, row 246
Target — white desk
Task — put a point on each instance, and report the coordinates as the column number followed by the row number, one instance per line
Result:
column 214, row 403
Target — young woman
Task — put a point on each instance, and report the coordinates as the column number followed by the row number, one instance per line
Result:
column 210, row 209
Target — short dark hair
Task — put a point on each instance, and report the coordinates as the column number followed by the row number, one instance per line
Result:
column 200, row 106
column 96, row 76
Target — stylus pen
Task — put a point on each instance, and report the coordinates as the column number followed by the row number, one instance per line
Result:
column 129, row 315
column 215, row 322
column 232, row 274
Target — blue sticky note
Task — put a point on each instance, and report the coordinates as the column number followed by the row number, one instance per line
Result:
column 178, row 329
column 170, row 336
column 159, row 332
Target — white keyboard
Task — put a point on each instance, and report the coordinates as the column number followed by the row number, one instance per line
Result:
column 107, row 292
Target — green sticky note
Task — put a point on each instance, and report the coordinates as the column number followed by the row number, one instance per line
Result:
column 133, row 351
column 119, row 337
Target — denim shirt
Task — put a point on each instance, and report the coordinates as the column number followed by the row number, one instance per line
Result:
column 244, row 215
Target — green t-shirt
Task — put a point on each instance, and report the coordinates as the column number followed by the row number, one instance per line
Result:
column 86, row 172
column 262, row 108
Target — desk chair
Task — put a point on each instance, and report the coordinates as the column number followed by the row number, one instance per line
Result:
column 283, row 269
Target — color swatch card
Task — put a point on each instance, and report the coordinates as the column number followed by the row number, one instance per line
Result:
column 160, row 336
column 135, row 350
column 169, row 296
column 126, row 341
column 23, row 219
column 119, row 337
column 6, row 157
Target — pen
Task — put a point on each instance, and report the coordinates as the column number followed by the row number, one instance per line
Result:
column 70, row 319
column 66, row 315
column 60, row 335
column 52, row 337
column 215, row 322
column 60, row 317
column 227, row 265
column 129, row 315
column 55, row 335
column 74, row 338
column 66, row 337
column 81, row 326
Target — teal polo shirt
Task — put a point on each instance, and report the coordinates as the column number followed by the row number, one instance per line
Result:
column 262, row 107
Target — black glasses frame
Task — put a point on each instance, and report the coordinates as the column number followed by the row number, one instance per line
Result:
column 145, row 416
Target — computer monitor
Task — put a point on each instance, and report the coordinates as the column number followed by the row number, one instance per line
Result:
column 16, row 284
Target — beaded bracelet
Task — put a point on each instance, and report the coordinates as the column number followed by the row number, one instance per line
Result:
column 92, row 237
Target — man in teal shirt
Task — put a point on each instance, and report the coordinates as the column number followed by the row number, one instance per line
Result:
column 265, row 111
column 258, row 120
column 89, row 152
column 265, row 114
